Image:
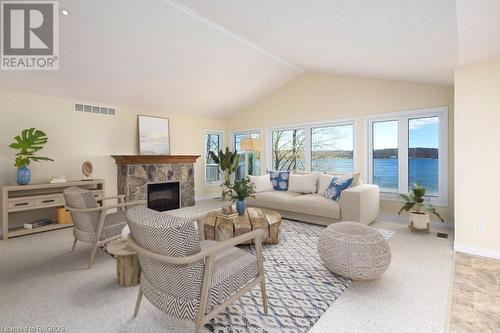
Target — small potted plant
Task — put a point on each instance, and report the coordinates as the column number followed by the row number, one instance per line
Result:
column 228, row 163
column 419, row 217
column 240, row 190
column 28, row 143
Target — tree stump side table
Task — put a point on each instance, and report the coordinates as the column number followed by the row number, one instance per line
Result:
column 219, row 229
column 127, row 263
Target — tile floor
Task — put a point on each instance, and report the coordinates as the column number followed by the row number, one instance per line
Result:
column 476, row 295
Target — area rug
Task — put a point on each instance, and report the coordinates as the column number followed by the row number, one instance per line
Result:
column 299, row 288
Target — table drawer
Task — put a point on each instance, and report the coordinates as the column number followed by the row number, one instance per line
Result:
column 50, row 200
column 20, row 203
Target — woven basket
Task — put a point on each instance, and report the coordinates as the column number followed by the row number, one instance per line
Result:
column 63, row 216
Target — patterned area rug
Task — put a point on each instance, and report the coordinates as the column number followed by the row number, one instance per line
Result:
column 300, row 289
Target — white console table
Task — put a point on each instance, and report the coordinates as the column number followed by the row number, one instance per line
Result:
column 21, row 198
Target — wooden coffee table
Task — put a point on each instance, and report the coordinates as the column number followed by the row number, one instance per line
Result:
column 219, row 229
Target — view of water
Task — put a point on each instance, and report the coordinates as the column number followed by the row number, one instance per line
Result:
column 423, row 171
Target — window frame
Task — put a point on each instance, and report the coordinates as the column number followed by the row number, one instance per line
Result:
column 221, row 145
column 403, row 119
column 308, row 140
column 247, row 134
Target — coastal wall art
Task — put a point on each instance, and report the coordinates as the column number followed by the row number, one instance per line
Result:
column 154, row 135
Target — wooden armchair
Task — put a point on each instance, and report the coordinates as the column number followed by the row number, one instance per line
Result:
column 93, row 223
column 188, row 278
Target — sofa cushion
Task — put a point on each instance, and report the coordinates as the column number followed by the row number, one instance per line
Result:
column 314, row 204
column 302, row 183
column 336, row 187
column 261, row 183
column 279, row 179
column 272, row 199
column 355, row 175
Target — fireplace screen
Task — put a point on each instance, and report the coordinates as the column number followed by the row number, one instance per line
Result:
column 164, row 196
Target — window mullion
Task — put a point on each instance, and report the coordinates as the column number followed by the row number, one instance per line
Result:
column 403, row 154
column 307, row 149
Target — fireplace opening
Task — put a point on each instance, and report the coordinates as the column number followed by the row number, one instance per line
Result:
column 164, row 196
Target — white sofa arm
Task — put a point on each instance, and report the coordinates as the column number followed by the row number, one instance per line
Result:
column 360, row 203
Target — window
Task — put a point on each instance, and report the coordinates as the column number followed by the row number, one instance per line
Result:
column 213, row 143
column 313, row 147
column 288, row 149
column 332, row 148
column 249, row 160
column 409, row 148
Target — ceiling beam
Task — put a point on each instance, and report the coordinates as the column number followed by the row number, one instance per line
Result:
column 200, row 18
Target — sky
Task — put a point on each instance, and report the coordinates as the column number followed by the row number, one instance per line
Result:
column 423, row 133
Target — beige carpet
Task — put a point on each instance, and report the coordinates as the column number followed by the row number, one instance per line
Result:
column 42, row 283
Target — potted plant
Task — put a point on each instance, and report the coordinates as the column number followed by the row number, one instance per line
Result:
column 240, row 190
column 419, row 217
column 228, row 163
column 28, row 143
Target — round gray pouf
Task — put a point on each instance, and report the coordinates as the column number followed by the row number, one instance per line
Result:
column 354, row 250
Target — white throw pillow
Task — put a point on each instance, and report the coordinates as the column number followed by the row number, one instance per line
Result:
column 302, row 183
column 261, row 183
column 324, row 181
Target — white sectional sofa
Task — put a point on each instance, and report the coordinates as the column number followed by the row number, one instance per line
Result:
column 358, row 203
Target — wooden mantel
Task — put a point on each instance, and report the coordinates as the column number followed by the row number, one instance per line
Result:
column 154, row 159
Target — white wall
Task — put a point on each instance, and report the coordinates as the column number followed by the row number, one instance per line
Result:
column 75, row 137
column 477, row 159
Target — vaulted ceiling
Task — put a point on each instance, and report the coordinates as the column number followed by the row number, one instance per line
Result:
column 212, row 58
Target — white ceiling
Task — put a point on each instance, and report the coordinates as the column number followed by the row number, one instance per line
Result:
column 478, row 30
column 149, row 55
column 406, row 40
column 212, row 58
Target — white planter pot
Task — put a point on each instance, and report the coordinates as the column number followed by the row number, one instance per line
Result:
column 419, row 221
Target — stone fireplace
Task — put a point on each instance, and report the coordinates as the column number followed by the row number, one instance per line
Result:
column 135, row 172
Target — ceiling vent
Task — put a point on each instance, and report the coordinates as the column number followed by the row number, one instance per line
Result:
column 90, row 108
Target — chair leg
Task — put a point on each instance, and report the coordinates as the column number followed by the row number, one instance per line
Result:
column 74, row 244
column 264, row 294
column 92, row 254
column 138, row 302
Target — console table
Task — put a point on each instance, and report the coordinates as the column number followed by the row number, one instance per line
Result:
column 21, row 198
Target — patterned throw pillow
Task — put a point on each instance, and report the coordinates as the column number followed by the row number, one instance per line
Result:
column 337, row 185
column 280, row 180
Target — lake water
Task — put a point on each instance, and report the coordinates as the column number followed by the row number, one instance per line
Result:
column 422, row 171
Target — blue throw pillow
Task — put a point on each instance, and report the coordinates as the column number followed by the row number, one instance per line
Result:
column 279, row 179
column 337, row 185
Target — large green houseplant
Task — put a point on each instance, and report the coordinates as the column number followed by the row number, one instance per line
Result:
column 228, row 163
column 28, row 143
column 240, row 191
column 419, row 212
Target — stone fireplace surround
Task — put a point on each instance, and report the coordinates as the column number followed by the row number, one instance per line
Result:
column 135, row 172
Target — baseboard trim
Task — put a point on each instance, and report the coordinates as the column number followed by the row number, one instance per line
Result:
column 404, row 220
column 207, row 197
column 469, row 249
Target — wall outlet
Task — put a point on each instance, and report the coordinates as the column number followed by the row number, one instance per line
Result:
column 481, row 225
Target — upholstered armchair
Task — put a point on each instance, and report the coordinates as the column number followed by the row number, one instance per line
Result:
column 186, row 277
column 93, row 223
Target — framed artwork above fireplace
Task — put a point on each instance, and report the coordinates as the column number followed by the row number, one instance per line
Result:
column 154, row 135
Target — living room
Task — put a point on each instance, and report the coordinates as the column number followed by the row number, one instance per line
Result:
column 350, row 128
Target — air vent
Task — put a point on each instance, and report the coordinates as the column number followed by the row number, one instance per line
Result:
column 90, row 108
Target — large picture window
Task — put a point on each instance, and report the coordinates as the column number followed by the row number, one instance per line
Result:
column 313, row 147
column 409, row 148
column 213, row 142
